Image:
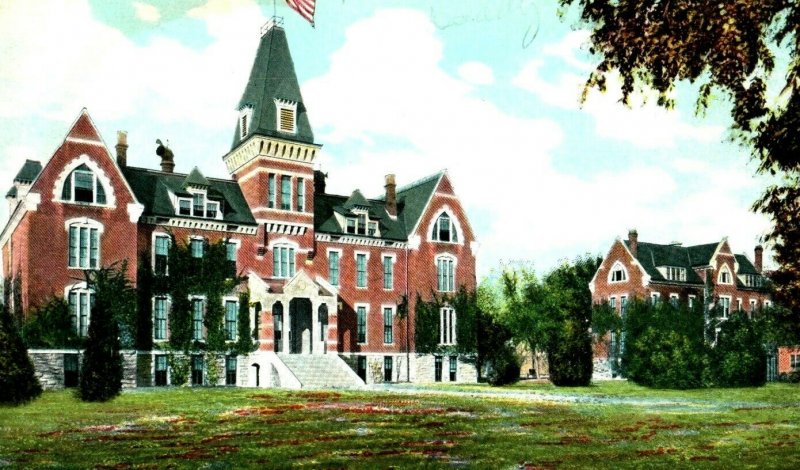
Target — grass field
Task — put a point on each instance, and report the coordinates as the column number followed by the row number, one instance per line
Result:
column 613, row 424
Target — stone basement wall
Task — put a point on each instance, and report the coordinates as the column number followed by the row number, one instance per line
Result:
column 375, row 366
column 49, row 366
column 423, row 370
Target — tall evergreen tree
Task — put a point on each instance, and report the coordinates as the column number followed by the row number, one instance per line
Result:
column 18, row 382
column 114, row 300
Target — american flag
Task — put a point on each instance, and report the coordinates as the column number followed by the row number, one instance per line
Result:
column 304, row 7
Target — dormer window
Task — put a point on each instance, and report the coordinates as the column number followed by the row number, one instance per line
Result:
column 372, row 231
column 286, row 114
column 752, row 280
column 245, row 121
column 212, row 209
column 199, row 206
column 351, row 225
column 361, row 228
column 82, row 186
column 184, row 207
column 361, row 225
column 444, row 230
column 675, row 274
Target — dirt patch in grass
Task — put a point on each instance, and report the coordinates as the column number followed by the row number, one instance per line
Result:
column 229, row 435
column 657, row 451
column 704, row 458
column 302, row 442
column 454, row 434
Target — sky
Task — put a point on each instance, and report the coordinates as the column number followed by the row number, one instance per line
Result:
column 489, row 91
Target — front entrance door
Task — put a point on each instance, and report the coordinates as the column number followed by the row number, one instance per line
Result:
column 300, row 326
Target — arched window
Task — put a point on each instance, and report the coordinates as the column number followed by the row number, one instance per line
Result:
column 444, row 230
column 725, row 276
column 80, row 301
column 83, row 243
column 618, row 273
column 445, row 273
column 83, row 186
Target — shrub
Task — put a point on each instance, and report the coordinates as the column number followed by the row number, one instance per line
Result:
column 504, row 367
column 178, row 369
column 569, row 356
column 792, row 377
column 739, row 358
column 213, row 369
column 50, row 326
column 18, row 382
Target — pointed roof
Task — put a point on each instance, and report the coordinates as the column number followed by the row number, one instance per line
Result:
column 195, row 178
column 84, row 129
column 29, row 171
column 273, row 77
column 356, row 200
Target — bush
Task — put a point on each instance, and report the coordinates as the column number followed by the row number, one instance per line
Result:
column 504, row 367
column 569, row 356
column 178, row 369
column 739, row 358
column 213, row 369
column 18, row 382
column 50, row 326
column 791, row 378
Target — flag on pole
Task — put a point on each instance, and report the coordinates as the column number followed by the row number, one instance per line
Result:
column 305, row 8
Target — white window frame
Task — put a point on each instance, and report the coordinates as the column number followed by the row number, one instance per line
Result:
column 90, row 224
column 202, row 240
column 366, row 268
column 739, row 305
column 723, row 300
column 675, row 297
column 100, row 177
column 455, row 225
column 153, row 237
column 225, row 301
column 356, row 306
column 291, row 260
column 300, row 184
column 448, row 324
column 203, row 333
column 80, row 289
column 288, row 105
column 246, row 117
column 393, row 258
column 724, row 271
column 393, row 308
column 338, row 252
column 655, row 298
column 617, row 266
column 767, row 303
column 612, row 302
column 452, row 259
column 167, row 307
column 753, row 305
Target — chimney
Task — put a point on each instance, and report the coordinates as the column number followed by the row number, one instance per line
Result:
column 633, row 242
column 319, row 182
column 167, row 160
column 122, row 149
column 759, row 252
column 391, row 196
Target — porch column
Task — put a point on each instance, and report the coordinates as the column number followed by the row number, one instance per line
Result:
column 287, row 325
column 315, row 326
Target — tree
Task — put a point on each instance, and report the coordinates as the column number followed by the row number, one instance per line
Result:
column 50, row 326
column 727, row 47
column 114, row 303
column 568, row 305
column 18, row 382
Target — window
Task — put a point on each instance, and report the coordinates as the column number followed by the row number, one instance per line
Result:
column 387, row 368
column 231, row 249
column 725, row 304
column 618, row 273
column 271, row 192
column 71, row 376
column 691, row 301
column 623, row 305
column 739, row 305
column 361, row 319
column 243, row 126
column 184, row 207
column 437, row 368
column 361, row 228
column 212, row 209
column 197, row 370
column 333, row 267
column 361, row 270
column 84, row 246
column 752, row 305
column 388, row 336
column 80, row 310
column 323, row 322
column 447, row 326
column 362, row 367
column 199, row 205
column 445, row 274
column 283, row 261
column 612, row 302
column 767, row 304
column 795, row 361
column 373, row 229
column 197, row 246
column 230, row 370
column 160, row 318
column 673, row 300
column 160, row 264
column 453, row 368
column 752, row 280
column 351, row 225
column 301, row 195
column 444, row 230
column 198, row 307
column 82, row 186
column 724, row 276
column 654, row 298
column 676, row 274
column 231, row 326
column 388, row 272
column 161, row 371
column 286, row 193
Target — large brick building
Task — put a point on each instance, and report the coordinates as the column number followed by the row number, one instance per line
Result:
column 326, row 273
column 709, row 273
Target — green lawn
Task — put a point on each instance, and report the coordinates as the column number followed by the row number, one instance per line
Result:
column 235, row 428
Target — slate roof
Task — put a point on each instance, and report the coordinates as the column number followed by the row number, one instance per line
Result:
column 195, row 178
column 745, row 266
column 271, row 77
column 152, row 189
column 29, row 171
column 411, row 202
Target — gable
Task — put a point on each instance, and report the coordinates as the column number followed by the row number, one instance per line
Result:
column 445, row 186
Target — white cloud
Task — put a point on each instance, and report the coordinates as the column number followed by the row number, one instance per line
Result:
column 146, row 12
column 476, row 73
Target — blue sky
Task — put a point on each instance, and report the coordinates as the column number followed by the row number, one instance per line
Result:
column 488, row 90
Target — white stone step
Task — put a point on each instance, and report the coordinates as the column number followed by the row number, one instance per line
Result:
column 321, row 371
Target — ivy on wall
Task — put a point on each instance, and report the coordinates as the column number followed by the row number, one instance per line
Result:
column 427, row 323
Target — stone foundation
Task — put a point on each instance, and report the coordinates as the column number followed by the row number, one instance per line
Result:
column 49, row 366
